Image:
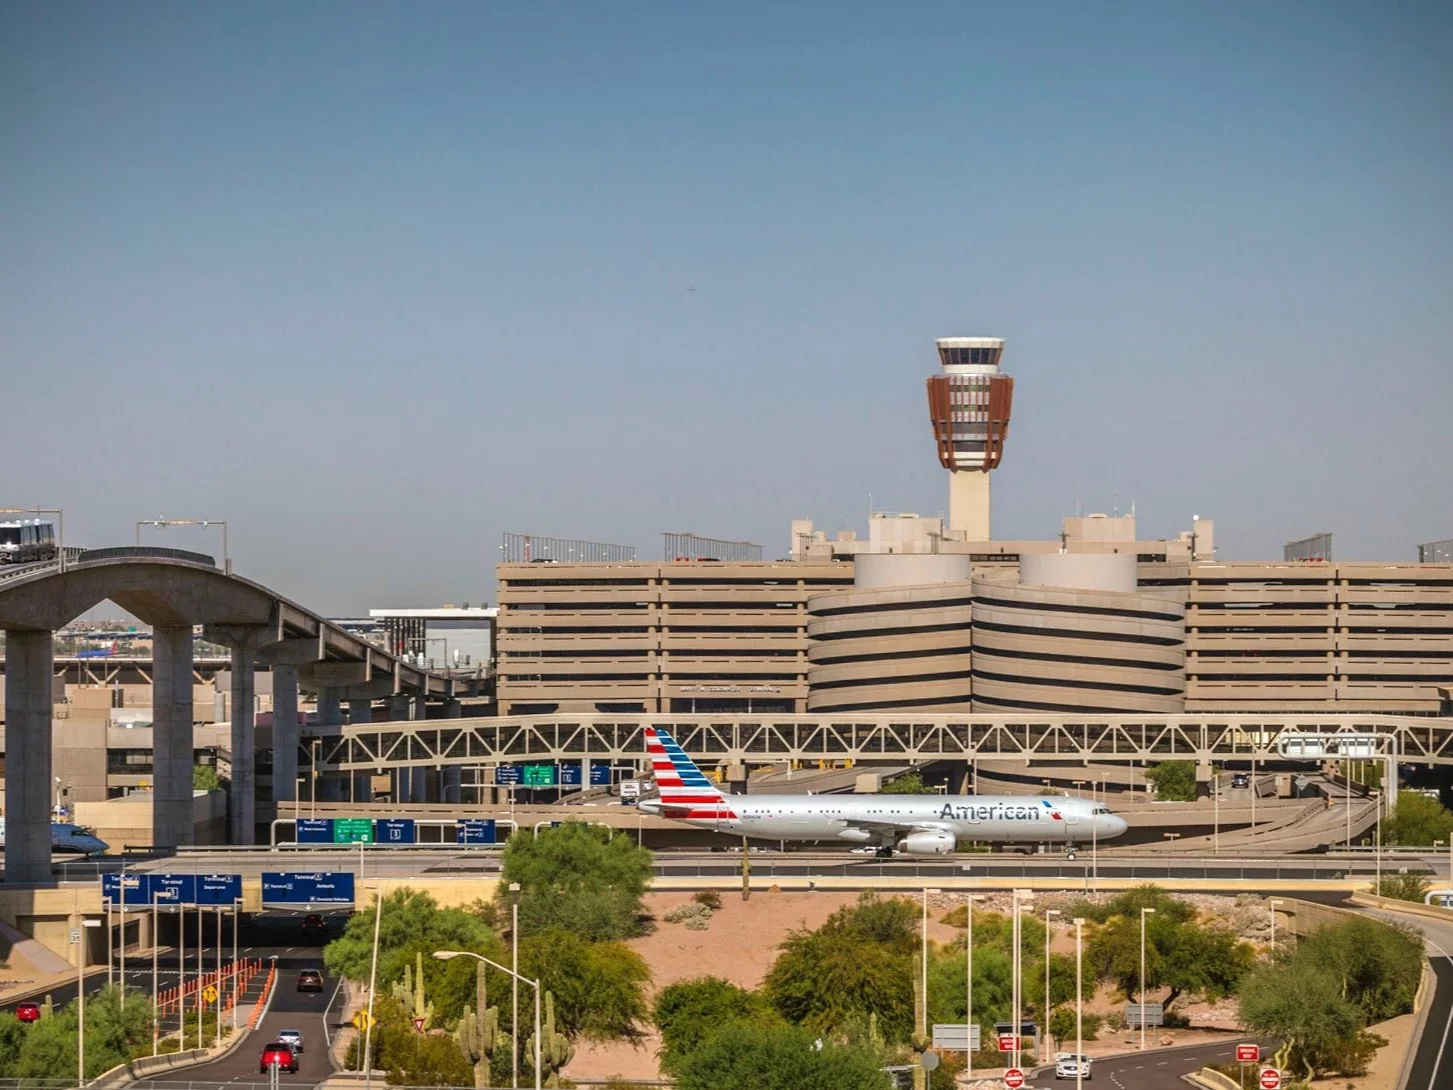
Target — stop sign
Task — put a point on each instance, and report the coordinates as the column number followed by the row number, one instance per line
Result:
column 1014, row 1078
column 1270, row 1078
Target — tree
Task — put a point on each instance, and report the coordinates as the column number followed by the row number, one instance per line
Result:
column 413, row 924
column 1404, row 887
column 1417, row 821
column 599, row 987
column 579, row 878
column 1180, row 955
column 777, row 1057
column 1131, row 901
column 690, row 1011
column 1377, row 965
column 204, row 778
column 910, row 783
column 1301, row 1005
column 1175, row 781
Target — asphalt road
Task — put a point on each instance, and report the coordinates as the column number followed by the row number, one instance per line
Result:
column 1154, row 1069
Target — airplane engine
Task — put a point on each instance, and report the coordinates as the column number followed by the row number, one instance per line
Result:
column 935, row 843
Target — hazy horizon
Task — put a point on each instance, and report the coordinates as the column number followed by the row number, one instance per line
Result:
column 378, row 283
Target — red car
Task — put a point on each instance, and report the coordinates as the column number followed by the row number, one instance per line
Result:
column 281, row 1055
column 27, row 1012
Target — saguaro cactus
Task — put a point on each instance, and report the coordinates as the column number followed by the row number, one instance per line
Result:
column 410, row 992
column 555, row 1048
column 479, row 1033
column 47, row 1007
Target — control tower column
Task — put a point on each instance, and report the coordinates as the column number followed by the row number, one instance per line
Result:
column 968, row 409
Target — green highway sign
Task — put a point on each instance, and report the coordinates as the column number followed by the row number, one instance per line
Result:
column 352, row 830
column 539, row 776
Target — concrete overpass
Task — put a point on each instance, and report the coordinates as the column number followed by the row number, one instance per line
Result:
column 173, row 591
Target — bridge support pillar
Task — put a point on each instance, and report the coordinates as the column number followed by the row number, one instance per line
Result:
column 453, row 709
column 284, row 733
column 330, row 707
column 172, row 823
column 450, row 779
column 28, row 752
column 244, row 641
column 400, row 707
column 421, row 707
column 360, row 710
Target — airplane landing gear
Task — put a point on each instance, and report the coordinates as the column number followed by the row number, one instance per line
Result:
column 884, row 852
column 1070, row 851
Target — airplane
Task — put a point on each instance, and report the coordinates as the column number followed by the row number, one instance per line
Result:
column 912, row 824
column 68, row 839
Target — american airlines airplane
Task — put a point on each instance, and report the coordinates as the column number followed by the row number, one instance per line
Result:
column 67, row 839
column 914, row 824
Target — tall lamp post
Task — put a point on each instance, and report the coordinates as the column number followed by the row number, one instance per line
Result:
column 162, row 524
column 1044, row 1010
column 1079, row 923
column 515, row 979
column 922, row 1027
column 81, row 1001
column 969, row 982
column 445, row 955
column 1144, row 912
column 1272, row 905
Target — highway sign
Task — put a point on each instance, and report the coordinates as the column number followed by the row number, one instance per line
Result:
column 394, row 831
column 570, row 774
column 314, row 831
column 1248, row 1054
column 135, row 889
column 353, row 830
column 1014, row 1078
column 506, row 775
column 1007, row 1042
column 174, row 889
column 949, row 1036
column 285, row 889
column 209, row 993
column 1149, row 1014
column 539, row 776
column 1270, row 1078
column 219, row 889
column 474, row 831
column 599, row 775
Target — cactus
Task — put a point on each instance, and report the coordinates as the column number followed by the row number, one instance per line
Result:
column 875, row 1037
column 479, row 1034
column 47, row 1008
column 410, row 992
column 555, row 1048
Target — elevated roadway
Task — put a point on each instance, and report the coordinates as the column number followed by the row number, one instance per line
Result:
column 173, row 591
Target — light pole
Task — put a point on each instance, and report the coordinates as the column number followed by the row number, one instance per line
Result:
column 923, row 951
column 1272, row 906
column 1216, row 795
column 236, row 911
column 1044, row 1010
column 1377, row 889
column 162, row 524
column 1015, row 967
column 313, row 778
column 445, row 955
column 515, row 982
column 81, row 1001
column 1079, row 922
column 1094, row 839
column 1144, row 912
column 372, row 987
column 969, row 982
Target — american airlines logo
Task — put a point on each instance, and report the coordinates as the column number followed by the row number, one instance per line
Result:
column 996, row 811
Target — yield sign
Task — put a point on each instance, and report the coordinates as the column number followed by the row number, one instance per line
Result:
column 418, row 1025
column 1014, row 1078
column 1270, row 1078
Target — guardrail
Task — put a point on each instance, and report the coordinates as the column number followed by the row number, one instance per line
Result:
column 238, row 975
column 145, row 552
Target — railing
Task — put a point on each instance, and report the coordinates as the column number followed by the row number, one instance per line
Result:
column 264, row 998
column 231, row 982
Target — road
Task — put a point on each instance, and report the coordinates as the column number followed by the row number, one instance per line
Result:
column 1154, row 1069
column 1432, row 1067
column 290, row 1009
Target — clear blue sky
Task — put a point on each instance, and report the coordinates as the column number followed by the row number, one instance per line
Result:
column 377, row 282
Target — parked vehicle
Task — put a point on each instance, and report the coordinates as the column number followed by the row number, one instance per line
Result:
column 27, row 1012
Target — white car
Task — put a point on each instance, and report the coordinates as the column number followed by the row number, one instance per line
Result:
column 1067, row 1065
column 292, row 1038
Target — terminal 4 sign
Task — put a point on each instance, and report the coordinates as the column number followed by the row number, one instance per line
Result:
column 474, row 831
column 286, row 889
column 172, row 889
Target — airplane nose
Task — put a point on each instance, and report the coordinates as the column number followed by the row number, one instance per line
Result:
column 1118, row 825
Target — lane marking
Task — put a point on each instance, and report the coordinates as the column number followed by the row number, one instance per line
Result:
column 1438, row 1059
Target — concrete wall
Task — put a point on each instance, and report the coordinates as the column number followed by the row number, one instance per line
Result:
column 905, row 569
column 1080, row 571
column 128, row 820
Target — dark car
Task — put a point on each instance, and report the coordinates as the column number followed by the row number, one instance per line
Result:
column 280, row 1055
column 314, row 927
column 310, row 980
column 27, row 1012
column 1241, row 779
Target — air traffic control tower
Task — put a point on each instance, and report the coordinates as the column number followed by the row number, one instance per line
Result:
column 968, row 406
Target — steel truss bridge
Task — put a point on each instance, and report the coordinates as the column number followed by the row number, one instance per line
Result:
column 718, row 739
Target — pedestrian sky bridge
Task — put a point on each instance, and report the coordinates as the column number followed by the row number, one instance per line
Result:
column 720, row 739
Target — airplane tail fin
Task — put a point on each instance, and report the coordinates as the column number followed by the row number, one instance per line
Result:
column 681, row 785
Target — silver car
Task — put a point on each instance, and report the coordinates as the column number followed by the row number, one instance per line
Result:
column 292, row 1038
column 1067, row 1065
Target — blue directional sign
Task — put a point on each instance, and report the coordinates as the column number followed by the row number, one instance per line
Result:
column 316, row 888
column 473, row 831
column 506, row 775
column 174, row 889
column 393, row 831
column 219, row 889
column 137, row 889
column 570, row 775
column 599, row 775
column 315, row 830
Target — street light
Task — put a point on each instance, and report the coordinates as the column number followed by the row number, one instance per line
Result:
column 969, row 982
column 515, row 984
column 1216, row 795
column 372, row 985
column 1144, row 912
column 1044, row 1010
column 923, row 949
column 445, row 955
column 1272, row 905
column 313, row 777
column 81, row 1001
column 1079, row 922
column 163, row 523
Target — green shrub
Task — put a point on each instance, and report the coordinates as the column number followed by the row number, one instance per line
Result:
column 1404, row 887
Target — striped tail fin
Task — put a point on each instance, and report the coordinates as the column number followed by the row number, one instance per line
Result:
column 684, row 791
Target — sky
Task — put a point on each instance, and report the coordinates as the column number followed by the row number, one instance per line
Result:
column 376, row 283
